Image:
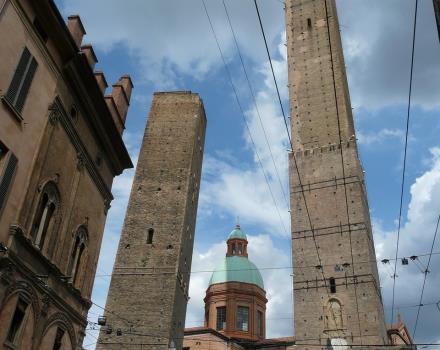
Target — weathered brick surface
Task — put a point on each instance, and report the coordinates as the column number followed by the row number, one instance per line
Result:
column 333, row 187
column 149, row 287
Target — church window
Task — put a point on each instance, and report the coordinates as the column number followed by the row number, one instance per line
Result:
column 17, row 322
column 49, row 202
column 150, row 236
column 240, row 248
column 260, row 323
column 58, row 339
column 234, row 248
column 332, row 285
column 221, row 318
column 76, row 258
column 242, row 318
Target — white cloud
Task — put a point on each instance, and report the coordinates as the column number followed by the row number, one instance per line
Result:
column 415, row 239
column 171, row 38
column 378, row 137
column 246, row 191
column 377, row 39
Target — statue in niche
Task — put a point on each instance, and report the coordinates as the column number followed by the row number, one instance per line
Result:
column 334, row 314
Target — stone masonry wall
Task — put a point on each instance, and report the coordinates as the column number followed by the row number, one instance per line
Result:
column 331, row 236
column 149, row 287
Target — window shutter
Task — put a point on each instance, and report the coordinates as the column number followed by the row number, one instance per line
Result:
column 6, row 180
column 26, row 85
column 21, row 81
column 20, row 71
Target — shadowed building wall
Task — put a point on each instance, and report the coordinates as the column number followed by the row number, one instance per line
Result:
column 336, row 284
column 60, row 148
column 149, row 287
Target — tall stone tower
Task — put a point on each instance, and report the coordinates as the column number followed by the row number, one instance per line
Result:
column 336, row 284
column 148, row 294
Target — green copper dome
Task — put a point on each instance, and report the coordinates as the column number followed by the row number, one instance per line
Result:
column 237, row 269
column 237, row 233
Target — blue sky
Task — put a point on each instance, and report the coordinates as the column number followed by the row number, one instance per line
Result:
column 168, row 45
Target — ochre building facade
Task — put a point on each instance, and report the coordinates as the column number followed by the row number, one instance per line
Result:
column 337, row 298
column 60, row 148
column 148, row 294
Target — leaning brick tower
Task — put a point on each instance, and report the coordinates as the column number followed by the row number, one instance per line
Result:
column 146, row 304
column 337, row 295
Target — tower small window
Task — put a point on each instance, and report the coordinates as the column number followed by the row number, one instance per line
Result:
column 150, row 236
column 17, row 322
column 221, row 318
column 332, row 285
column 309, row 23
column 242, row 318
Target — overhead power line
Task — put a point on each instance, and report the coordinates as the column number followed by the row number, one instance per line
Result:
column 156, row 270
column 242, row 113
column 424, row 279
column 405, row 154
column 255, row 102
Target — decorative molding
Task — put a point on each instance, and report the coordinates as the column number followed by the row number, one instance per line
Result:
column 7, row 274
column 63, row 319
column 24, row 289
column 54, row 114
column 84, row 159
column 81, row 161
column 107, row 205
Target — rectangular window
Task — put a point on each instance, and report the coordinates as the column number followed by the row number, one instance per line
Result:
column 260, row 323
column 21, row 81
column 8, row 163
column 243, row 318
column 17, row 322
column 332, row 285
column 221, row 318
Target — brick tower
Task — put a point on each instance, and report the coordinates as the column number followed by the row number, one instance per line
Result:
column 148, row 294
column 336, row 283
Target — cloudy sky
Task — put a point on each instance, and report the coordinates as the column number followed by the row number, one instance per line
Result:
column 168, row 45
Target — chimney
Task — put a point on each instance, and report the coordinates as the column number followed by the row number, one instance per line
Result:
column 100, row 79
column 119, row 100
column 90, row 55
column 121, row 93
column 76, row 29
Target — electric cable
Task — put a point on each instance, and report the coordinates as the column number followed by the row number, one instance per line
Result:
column 424, row 279
column 293, row 152
column 404, row 156
column 343, row 165
column 242, row 113
column 255, row 102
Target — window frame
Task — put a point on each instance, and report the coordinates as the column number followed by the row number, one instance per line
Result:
column 14, row 337
column 260, row 323
column 240, row 321
column 218, row 319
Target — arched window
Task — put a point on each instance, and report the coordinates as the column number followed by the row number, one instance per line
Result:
column 44, row 216
column 77, row 254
